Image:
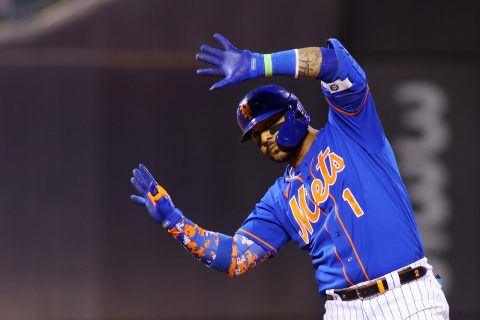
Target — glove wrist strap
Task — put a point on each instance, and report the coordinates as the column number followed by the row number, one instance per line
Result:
column 257, row 66
column 172, row 218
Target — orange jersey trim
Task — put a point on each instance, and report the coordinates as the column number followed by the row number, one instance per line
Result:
column 255, row 237
column 286, row 192
column 349, row 239
column 311, row 172
column 343, row 267
column 351, row 113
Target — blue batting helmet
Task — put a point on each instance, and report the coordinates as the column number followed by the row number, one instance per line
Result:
column 267, row 101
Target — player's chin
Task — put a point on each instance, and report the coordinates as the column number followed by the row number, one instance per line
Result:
column 278, row 155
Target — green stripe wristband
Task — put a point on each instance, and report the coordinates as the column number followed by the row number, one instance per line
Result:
column 267, row 59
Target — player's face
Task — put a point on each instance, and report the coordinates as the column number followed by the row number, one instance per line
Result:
column 265, row 133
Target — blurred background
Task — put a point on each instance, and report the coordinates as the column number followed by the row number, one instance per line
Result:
column 92, row 88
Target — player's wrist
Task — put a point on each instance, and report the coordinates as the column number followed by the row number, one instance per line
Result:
column 171, row 219
column 167, row 219
column 257, row 66
column 162, row 208
column 283, row 63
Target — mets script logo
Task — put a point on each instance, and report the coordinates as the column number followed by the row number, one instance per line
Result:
column 319, row 191
column 246, row 111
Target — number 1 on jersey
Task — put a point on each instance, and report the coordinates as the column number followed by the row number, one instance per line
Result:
column 348, row 196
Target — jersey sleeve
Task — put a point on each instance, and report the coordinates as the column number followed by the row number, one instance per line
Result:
column 262, row 225
column 351, row 106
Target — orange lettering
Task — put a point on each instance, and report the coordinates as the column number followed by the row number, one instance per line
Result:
column 311, row 216
column 320, row 194
column 301, row 220
column 321, row 158
column 348, row 196
column 328, row 178
column 336, row 163
column 246, row 111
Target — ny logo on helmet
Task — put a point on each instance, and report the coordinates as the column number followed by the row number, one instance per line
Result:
column 246, row 111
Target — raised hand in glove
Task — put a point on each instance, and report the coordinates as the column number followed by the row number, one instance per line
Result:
column 233, row 64
column 154, row 197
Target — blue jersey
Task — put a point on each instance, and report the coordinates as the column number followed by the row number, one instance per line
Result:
column 345, row 203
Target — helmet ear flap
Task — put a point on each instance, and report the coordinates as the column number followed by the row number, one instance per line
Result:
column 266, row 101
column 293, row 129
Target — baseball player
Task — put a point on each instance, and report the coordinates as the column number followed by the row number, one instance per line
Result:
column 341, row 197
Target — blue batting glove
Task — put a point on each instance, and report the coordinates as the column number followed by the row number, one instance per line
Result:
column 154, row 197
column 234, row 64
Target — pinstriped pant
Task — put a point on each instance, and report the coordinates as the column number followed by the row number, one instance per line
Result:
column 421, row 299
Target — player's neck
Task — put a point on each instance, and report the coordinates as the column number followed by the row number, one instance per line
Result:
column 306, row 144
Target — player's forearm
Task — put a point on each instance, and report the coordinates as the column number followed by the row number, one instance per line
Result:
column 232, row 255
column 311, row 63
column 223, row 253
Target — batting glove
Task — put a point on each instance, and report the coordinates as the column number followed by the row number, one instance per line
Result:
column 154, row 197
column 234, row 64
